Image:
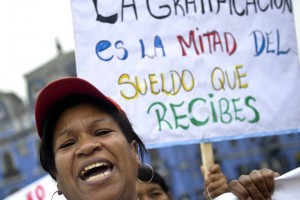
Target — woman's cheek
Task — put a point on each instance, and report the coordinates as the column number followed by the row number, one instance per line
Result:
column 61, row 161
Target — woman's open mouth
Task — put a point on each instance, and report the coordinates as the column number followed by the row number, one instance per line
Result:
column 96, row 171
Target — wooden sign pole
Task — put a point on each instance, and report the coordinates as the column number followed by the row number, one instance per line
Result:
column 207, row 156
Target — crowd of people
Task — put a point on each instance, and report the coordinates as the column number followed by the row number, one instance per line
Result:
column 90, row 148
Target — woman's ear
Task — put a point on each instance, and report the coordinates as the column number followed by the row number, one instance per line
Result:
column 58, row 190
column 138, row 160
column 134, row 146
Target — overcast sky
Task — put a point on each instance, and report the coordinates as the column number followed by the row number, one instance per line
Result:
column 27, row 37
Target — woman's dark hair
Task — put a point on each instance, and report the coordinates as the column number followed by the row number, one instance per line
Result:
column 46, row 147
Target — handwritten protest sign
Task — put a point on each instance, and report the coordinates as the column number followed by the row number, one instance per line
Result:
column 193, row 71
column 44, row 188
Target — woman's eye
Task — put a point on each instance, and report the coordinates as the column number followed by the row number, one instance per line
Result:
column 67, row 144
column 155, row 194
column 102, row 132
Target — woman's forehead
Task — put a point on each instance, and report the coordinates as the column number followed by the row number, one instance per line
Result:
column 84, row 115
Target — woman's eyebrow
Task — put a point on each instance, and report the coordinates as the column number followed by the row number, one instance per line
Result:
column 63, row 133
column 155, row 188
column 99, row 121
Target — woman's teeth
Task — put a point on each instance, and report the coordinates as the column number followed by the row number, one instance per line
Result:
column 96, row 171
column 99, row 176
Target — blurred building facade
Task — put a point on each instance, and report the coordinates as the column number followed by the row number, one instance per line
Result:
column 19, row 163
column 180, row 165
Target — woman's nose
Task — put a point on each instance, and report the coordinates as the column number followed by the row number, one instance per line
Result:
column 145, row 197
column 87, row 147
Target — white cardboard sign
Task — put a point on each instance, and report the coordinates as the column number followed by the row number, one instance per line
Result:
column 193, row 71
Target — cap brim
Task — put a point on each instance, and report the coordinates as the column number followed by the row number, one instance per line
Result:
column 60, row 89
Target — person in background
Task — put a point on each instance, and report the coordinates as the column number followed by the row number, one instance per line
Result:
column 88, row 144
column 156, row 188
column 153, row 189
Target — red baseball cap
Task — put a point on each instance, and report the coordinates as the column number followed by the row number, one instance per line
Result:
column 60, row 89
